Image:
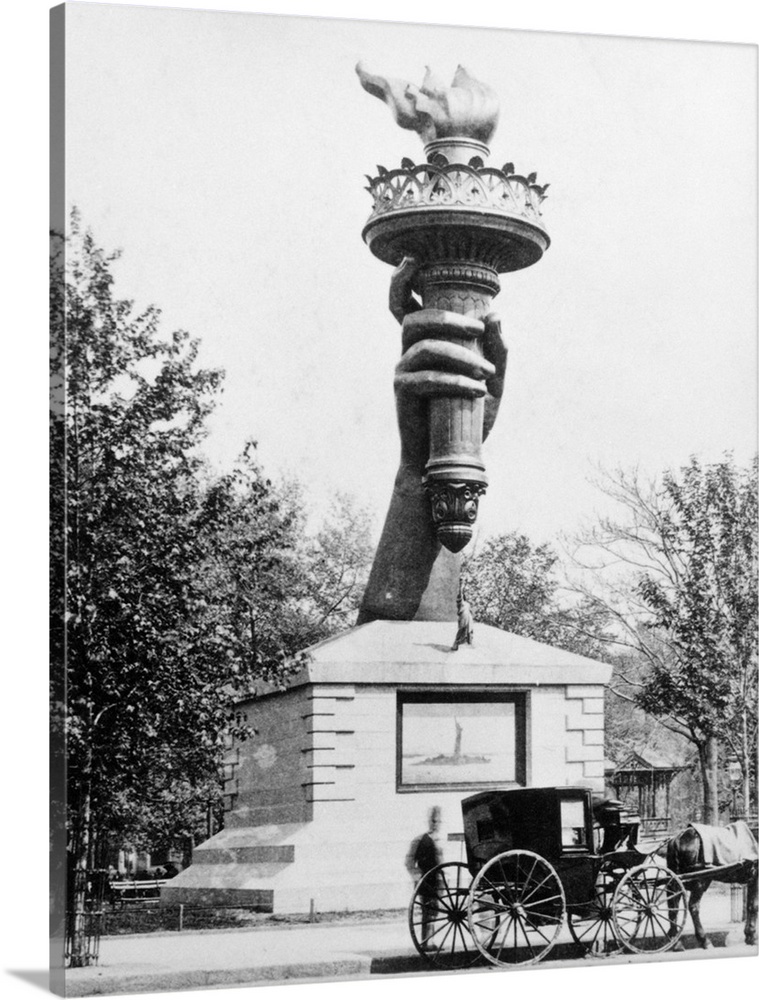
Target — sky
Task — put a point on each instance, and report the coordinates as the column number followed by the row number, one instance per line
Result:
column 225, row 154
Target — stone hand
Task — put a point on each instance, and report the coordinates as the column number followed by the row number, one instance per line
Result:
column 434, row 363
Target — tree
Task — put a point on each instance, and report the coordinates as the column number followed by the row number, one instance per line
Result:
column 153, row 653
column 251, row 571
column 512, row 585
column 173, row 592
column 281, row 587
column 677, row 571
column 628, row 729
column 336, row 564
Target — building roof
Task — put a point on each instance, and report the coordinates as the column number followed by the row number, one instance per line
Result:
column 637, row 762
column 393, row 652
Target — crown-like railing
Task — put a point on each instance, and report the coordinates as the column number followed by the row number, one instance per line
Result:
column 427, row 185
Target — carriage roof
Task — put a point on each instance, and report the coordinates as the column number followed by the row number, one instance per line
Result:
column 552, row 822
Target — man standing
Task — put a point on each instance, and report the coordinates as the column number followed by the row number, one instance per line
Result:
column 426, row 854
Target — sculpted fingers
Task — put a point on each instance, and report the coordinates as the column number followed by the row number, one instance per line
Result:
column 428, row 323
column 401, row 298
column 494, row 349
column 442, row 368
column 443, row 356
column 497, row 352
column 431, row 383
column 434, row 364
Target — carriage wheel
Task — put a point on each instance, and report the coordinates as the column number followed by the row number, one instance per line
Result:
column 437, row 917
column 591, row 924
column 649, row 909
column 516, row 908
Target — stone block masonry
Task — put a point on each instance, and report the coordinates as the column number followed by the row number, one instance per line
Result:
column 316, row 812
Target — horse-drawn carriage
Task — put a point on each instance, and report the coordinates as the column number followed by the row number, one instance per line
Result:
column 538, row 858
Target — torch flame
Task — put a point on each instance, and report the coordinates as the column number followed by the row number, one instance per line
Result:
column 466, row 108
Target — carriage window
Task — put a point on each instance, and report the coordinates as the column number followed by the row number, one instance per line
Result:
column 572, row 823
column 485, row 830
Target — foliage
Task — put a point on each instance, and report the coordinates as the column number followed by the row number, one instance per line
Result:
column 512, row 585
column 278, row 588
column 629, row 729
column 337, row 562
column 250, row 568
column 150, row 646
column 173, row 592
column 677, row 573
column 706, row 601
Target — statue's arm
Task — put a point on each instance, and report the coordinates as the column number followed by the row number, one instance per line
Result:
column 413, row 576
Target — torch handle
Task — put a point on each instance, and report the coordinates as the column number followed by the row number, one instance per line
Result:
column 456, row 422
column 455, row 474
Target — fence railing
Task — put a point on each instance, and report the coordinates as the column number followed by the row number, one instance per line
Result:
column 130, row 890
column 655, row 828
column 84, row 916
column 143, row 916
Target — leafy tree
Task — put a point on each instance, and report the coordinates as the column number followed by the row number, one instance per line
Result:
column 336, row 567
column 251, row 569
column 513, row 585
column 629, row 729
column 173, row 591
column 153, row 654
column 677, row 572
column 282, row 588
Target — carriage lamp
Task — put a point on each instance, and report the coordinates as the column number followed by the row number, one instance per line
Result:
column 465, row 223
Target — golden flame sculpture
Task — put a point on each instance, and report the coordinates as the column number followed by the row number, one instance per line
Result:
column 465, row 224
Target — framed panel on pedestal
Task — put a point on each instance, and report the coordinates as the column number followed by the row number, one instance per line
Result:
column 460, row 740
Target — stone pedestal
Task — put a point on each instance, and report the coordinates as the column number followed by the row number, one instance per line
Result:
column 326, row 800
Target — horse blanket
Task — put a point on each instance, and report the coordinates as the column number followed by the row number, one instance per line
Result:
column 727, row 845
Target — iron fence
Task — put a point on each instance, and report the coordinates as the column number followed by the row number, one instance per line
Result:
column 146, row 915
column 84, row 916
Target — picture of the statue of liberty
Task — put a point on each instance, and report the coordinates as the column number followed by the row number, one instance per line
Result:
column 455, row 742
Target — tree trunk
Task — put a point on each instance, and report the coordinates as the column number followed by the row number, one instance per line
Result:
column 709, row 759
column 83, row 845
column 746, row 751
column 189, row 848
column 77, row 903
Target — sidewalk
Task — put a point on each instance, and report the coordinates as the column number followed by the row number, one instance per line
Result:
column 273, row 953
column 186, row 960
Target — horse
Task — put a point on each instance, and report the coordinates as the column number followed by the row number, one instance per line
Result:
column 685, row 856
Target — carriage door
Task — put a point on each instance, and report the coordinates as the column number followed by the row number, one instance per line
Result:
column 577, row 874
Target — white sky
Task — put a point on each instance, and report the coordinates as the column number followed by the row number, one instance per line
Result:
column 431, row 728
column 226, row 154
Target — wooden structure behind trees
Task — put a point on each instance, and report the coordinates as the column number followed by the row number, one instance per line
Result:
column 643, row 787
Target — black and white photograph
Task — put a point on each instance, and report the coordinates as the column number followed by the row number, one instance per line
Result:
column 403, row 504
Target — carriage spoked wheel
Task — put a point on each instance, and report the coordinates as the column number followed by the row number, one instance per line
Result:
column 591, row 924
column 438, row 917
column 516, row 908
column 649, row 909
